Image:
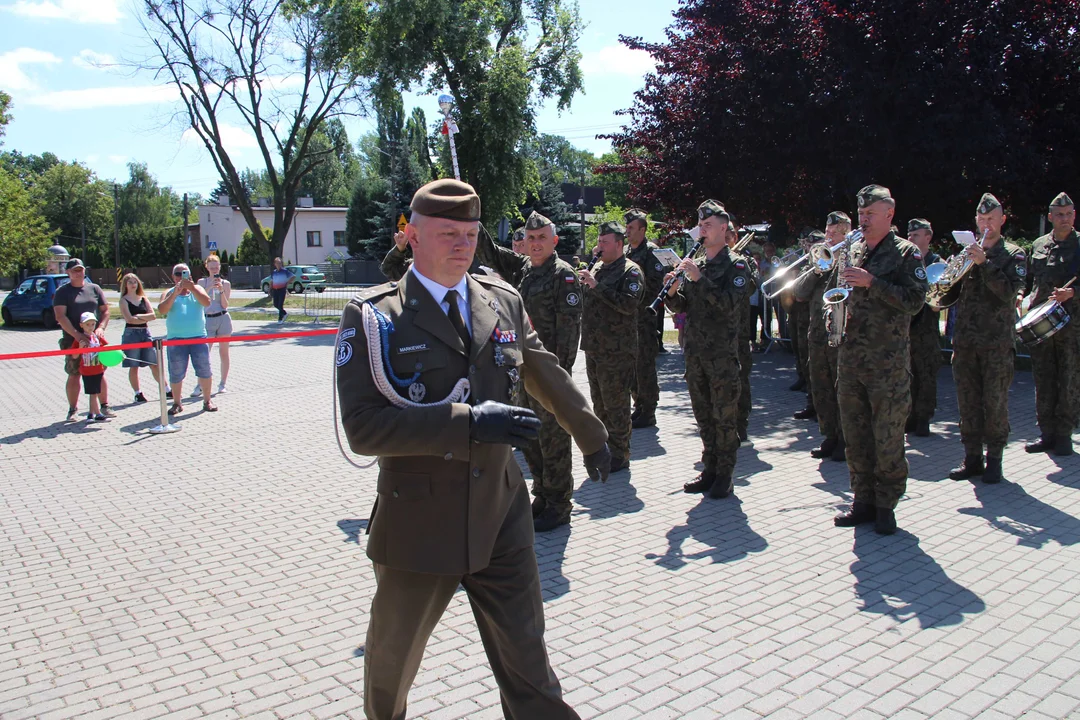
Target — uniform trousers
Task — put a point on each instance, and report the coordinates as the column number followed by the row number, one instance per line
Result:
column 983, row 376
column 925, row 363
column 644, row 387
column 823, row 388
column 509, row 611
column 549, row 461
column 799, row 324
column 746, row 362
column 714, row 395
column 873, row 409
column 1055, row 363
column 609, row 386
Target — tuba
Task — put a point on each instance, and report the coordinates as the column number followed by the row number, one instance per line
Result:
column 836, row 299
column 944, row 278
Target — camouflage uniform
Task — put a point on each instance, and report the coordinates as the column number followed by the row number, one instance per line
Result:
column 798, row 325
column 644, row 387
column 925, row 359
column 873, row 390
column 609, row 333
column 1055, row 362
column 984, row 348
column 822, row 357
column 396, row 263
column 552, row 295
column 747, row 326
column 712, row 306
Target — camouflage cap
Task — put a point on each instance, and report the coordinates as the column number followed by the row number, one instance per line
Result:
column 816, row 237
column 987, row 203
column 518, row 235
column 449, row 199
column 872, row 194
column 612, row 227
column 635, row 214
column 537, row 221
column 1062, row 200
column 709, row 208
column 918, row 224
column 836, row 217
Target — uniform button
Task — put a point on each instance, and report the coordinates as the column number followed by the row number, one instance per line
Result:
column 419, row 366
column 395, row 493
column 472, row 369
column 476, row 472
column 448, row 456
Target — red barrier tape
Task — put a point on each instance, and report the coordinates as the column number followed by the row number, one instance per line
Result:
column 166, row 343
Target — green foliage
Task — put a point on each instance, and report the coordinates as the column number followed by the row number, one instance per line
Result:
column 5, row 114
column 24, row 234
column 616, row 184
column 329, row 181
column 149, row 246
column 27, row 167
column 72, row 198
column 143, row 202
column 364, row 206
column 252, row 251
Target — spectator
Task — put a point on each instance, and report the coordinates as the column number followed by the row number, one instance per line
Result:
column 218, row 321
column 91, row 369
column 279, row 282
column 69, row 303
column 137, row 312
column 680, row 324
column 183, row 307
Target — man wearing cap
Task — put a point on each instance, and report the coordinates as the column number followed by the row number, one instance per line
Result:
column 887, row 287
column 517, row 242
column 747, row 325
column 925, row 342
column 552, row 293
column 984, row 342
column 453, row 508
column 644, row 387
column 610, row 339
column 1055, row 362
column 70, row 301
column 711, row 294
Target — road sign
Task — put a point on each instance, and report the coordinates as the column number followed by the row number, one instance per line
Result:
column 401, row 223
column 211, row 244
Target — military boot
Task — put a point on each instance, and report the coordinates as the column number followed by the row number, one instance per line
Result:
column 972, row 466
column 634, row 415
column 798, row 385
column 743, row 437
column 885, row 522
column 825, row 450
column 702, row 483
column 859, row 514
column 992, row 475
column 807, row 413
column 909, row 426
column 1045, row 443
column 644, row 420
column 839, row 453
column 1063, row 445
column 723, row 487
column 550, row 518
column 922, row 429
column 618, row 464
column 538, row 505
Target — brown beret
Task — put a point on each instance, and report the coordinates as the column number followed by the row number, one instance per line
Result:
column 448, row 199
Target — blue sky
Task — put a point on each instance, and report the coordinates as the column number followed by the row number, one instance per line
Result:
column 59, row 62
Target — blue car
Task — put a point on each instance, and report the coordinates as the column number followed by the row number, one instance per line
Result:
column 32, row 300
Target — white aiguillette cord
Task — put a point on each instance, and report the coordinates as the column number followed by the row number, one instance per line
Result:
column 374, row 334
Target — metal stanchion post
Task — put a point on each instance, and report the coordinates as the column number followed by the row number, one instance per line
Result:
column 165, row 426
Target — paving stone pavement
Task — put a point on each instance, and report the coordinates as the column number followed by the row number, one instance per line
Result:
column 220, row 571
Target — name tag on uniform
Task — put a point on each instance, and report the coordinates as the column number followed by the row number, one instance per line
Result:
column 503, row 336
column 412, row 348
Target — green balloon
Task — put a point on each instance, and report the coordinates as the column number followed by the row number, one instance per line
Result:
column 111, row 358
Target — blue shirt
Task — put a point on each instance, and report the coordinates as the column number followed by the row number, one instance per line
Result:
column 439, row 293
column 186, row 318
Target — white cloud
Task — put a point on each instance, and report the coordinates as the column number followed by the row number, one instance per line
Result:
column 617, row 60
column 234, row 138
column 91, row 98
column 12, row 76
column 80, row 11
column 93, row 60
column 118, row 159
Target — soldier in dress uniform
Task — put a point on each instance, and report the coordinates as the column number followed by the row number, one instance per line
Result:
column 609, row 337
column 1055, row 362
column 711, row 293
column 747, row 325
column 888, row 286
column 551, row 290
column 984, row 344
column 644, row 388
column 453, row 508
column 925, row 342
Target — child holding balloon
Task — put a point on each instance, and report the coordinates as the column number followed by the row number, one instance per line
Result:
column 90, row 366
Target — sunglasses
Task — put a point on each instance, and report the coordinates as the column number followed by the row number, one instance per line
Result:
column 177, row 273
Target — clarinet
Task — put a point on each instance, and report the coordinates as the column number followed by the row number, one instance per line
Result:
column 658, row 303
column 595, row 259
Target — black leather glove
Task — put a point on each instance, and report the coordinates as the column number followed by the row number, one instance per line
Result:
column 500, row 424
column 598, row 464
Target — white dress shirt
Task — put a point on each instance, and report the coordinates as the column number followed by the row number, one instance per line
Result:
column 439, row 293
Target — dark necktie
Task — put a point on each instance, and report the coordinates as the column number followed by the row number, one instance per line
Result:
column 454, row 314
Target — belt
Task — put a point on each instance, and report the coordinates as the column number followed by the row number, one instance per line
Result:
column 129, row 326
column 223, row 312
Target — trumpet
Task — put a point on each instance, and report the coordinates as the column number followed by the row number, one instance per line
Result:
column 658, row 303
column 822, row 258
column 944, row 278
column 741, row 245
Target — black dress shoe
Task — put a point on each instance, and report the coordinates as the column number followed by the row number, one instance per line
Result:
column 992, row 474
column 807, row 413
column 644, row 421
column 800, row 384
column 885, row 522
column 825, row 450
column 922, row 429
column 722, row 488
column 839, row 453
column 550, row 519
column 1044, row 444
column 1063, row 445
column 859, row 514
column 538, row 505
column 972, row 466
column 618, row 464
column 701, row 484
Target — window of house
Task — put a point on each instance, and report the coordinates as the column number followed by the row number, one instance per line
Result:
column 339, row 238
column 314, row 238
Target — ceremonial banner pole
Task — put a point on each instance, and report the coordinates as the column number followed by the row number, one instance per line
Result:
column 446, row 104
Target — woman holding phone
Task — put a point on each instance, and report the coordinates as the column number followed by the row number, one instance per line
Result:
column 218, row 321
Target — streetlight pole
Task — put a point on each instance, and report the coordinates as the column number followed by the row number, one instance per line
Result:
column 116, row 229
column 446, row 104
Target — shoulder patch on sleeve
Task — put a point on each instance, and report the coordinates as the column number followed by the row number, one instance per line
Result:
column 920, row 273
column 572, row 299
column 917, row 255
column 1021, row 270
column 739, row 281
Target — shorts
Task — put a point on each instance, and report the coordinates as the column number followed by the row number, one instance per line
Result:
column 178, row 361
column 220, row 326
column 91, row 384
column 71, row 362
column 138, row 358
column 679, row 320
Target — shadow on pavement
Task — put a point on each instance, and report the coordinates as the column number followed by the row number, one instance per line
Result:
column 893, row 576
column 721, row 525
column 1009, row 508
column 60, row 427
column 550, row 550
column 607, row 500
column 352, row 527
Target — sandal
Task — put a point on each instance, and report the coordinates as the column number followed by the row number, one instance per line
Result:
column 207, row 407
column 176, row 409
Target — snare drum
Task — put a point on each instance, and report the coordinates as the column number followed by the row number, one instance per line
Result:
column 1041, row 323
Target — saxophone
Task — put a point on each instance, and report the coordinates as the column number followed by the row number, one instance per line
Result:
column 836, row 299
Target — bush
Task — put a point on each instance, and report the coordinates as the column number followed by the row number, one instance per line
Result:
column 253, row 252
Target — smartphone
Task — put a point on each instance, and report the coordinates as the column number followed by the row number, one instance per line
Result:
column 217, row 276
column 186, row 274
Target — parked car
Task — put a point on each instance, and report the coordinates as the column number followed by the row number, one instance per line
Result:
column 32, row 300
column 303, row 277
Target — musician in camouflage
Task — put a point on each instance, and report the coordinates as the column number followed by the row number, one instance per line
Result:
column 609, row 337
column 925, row 342
column 747, row 325
column 712, row 294
column 644, row 388
column 798, row 326
column 888, row 286
column 552, row 294
column 1055, row 362
column 984, row 352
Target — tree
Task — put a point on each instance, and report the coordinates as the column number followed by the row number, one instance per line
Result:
column 368, row 194
column 330, row 181
column 785, row 108
column 73, row 199
column 143, row 202
column 267, row 63
column 5, row 114
column 24, row 235
column 27, row 167
column 252, row 251
column 616, row 183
